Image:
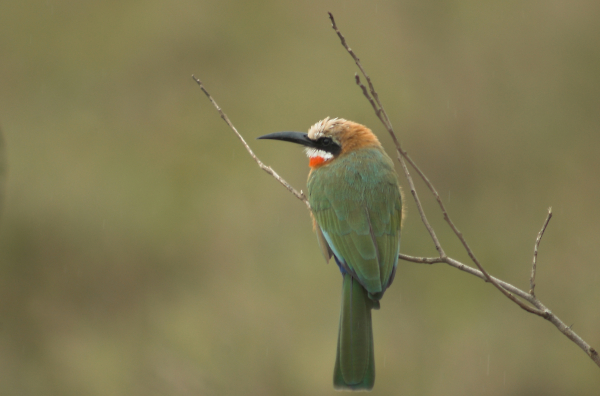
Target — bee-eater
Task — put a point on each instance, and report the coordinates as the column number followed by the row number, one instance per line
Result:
column 357, row 210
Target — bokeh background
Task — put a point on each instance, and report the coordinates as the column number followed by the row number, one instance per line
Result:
column 142, row 251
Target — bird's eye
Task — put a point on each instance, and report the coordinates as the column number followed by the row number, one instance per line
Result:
column 326, row 141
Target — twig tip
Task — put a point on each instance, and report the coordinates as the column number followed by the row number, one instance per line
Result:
column 197, row 80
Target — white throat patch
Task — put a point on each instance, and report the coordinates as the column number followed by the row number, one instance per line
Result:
column 313, row 152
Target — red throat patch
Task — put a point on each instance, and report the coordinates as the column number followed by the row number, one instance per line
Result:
column 315, row 162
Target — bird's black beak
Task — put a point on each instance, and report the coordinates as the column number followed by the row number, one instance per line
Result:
column 294, row 137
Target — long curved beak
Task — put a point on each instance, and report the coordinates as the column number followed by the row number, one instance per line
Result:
column 294, row 137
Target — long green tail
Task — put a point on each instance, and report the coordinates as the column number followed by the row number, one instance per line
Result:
column 355, row 361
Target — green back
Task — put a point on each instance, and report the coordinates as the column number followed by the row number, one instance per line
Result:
column 356, row 202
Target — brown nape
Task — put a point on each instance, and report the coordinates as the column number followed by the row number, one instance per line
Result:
column 354, row 136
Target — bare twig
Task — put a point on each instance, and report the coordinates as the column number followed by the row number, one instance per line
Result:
column 535, row 251
column 548, row 315
column 463, row 267
column 264, row 167
column 568, row 332
column 508, row 290
column 373, row 99
column 380, row 112
column 487, row 276
column 401, row 153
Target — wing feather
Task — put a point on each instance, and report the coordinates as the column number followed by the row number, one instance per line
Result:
column 357, row 205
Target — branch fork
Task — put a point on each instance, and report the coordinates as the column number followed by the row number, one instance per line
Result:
column 532, row 304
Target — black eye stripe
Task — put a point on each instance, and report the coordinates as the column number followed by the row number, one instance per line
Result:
column 327, row 144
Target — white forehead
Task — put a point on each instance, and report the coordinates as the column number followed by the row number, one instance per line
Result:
column 320, row 128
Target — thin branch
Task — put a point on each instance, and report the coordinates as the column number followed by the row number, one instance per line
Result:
column 264, row 167
column 490, row 278
column 421, row 260
column 401, row 153
column 470, row 270
column 535, row 252
column 548, row 315
column 504, row 287
column 569, row 333
column 381, row 112
column 373, row 99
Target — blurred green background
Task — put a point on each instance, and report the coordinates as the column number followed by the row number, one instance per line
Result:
column 143, row 252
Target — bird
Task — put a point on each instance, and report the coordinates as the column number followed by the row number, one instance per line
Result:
column 356, row 208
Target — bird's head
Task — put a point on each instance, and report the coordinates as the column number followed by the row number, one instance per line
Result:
column 328, row 139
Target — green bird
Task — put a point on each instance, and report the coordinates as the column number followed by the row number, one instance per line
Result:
column 356, row 207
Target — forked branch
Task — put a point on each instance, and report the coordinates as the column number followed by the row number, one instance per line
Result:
column 535, row 306
column 532, row 304
column 373, row 99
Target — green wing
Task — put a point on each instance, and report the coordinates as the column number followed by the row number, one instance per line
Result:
column 357, row 205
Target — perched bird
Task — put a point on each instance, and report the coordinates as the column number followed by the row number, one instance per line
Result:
column 356, row 206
